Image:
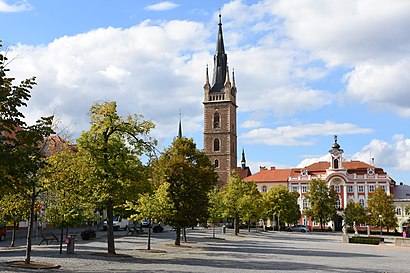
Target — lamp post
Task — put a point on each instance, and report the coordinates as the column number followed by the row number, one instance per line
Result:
column 381, row 231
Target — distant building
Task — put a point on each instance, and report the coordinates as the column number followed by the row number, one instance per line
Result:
column 401, row 198
column 352, row 180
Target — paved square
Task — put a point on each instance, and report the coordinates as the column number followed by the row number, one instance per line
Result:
column 256, row 251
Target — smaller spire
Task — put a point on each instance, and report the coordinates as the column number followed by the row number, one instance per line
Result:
column 207, row 76
column 243, row 160
column 227, row 76
column 233, row 78
column 180, row 125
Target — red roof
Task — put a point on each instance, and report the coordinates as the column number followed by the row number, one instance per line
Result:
column 272, row 175
column 282, row 175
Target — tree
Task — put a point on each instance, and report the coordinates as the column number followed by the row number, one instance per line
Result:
column 215, row 208
column 114, row 144
column 191, row 176
column 322, row 200
column 281, row 202
column 66, row 196
column 251, row 205
column 152, row 206
column 15, row 208
column 354, row 213
column 21, row 145
column 236, row 201
column 380, row 203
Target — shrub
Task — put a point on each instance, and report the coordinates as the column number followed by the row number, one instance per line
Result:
column 88, row 234
column 365, row 240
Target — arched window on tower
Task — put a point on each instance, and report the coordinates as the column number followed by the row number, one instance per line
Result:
column 335, row 163
column 216, row 145
column 217, row 121
column 216, row 163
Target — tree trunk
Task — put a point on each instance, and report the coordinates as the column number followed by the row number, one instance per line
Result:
column 13, row 236
column 149, row 234
column 30, row 226
column 177, row 236
column 110, row 228
column 249, row 225
column 61, row 238
column 213, row 230
column 236, row 226
column 185, row 235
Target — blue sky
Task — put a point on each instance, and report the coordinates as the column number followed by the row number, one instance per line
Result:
column 305, row 70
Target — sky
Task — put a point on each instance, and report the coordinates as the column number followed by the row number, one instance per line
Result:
column 305, row 70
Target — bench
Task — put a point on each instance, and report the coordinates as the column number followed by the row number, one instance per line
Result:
column 48, row 238
column 133, row 230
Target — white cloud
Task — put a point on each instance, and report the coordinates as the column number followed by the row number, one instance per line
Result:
column 147, row 69
column 370, row 37
column 162, row 6
column 17, row 7
column 348, row 31
column 394, row 154
column 251, row 124
column 310, row 160
column 300, row 134
column 384, row 85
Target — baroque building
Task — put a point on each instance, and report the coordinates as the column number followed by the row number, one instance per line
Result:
column 220, row 137
column 352, row 181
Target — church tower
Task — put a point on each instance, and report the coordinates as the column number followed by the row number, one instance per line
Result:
column 220, row 142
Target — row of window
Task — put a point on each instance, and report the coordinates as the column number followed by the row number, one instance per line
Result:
column 350, row 188
column 399, row 211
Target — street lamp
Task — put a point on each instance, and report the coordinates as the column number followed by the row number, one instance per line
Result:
column 381, row 231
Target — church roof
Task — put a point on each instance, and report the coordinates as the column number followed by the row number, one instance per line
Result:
column 243, row 173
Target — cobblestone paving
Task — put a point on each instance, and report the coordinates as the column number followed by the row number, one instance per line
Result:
column 256, row 251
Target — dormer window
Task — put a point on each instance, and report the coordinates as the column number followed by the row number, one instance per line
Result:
column 304, row 172
column 370, row 171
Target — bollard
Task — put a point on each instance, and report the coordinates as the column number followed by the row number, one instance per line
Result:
column 223, row 229
column 70, row 244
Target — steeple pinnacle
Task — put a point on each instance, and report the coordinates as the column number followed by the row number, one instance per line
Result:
column 220, row 62
column 180, row 125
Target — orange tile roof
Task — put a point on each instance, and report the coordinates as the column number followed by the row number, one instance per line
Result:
column 282, row 175
column 272, row 175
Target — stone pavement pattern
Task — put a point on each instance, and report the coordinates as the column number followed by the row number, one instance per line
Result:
column 250, row 252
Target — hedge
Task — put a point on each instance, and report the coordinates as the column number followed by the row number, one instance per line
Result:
column 365, row 240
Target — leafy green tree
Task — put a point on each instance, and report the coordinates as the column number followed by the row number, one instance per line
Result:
column 215, row 208
column 114, row 144
column 152, row 206
column 251, row 205
column 322, row 200
column 66, row 196
column 235, row 199
column 380, row 203
column 354, row 213
column 191, row 176
column 14, row 208
column 280, row 202
column 21, row 145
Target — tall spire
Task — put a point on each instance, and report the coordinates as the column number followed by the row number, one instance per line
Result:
column 220, row 62
column 180, row 125
column 243, row 160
